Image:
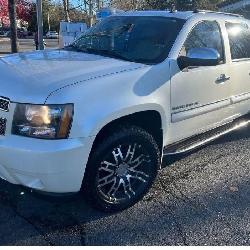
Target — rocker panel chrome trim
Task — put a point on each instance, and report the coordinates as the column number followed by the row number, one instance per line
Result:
column 198, row 144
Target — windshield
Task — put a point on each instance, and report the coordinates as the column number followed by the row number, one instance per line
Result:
column 143, row 39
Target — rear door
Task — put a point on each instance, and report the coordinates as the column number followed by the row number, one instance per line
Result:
column 239, row 42
column 200, row 96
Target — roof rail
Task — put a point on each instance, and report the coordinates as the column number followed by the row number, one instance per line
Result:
column 217, row 12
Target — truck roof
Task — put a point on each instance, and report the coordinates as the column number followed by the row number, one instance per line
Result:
column 178, row 14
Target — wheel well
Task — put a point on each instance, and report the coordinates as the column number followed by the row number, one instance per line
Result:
column 148, row 120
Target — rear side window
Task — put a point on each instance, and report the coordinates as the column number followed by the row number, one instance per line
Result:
column 239, row 40
column 205, row 34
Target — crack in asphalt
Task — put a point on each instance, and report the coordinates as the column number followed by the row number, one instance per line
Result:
column 15, row 210
column 41, row 233
column 176, row 221
column 75, row 223
column 173, row 179
column 13, row 206
column 184, row 175
column 82, row 230
column 179, row 227
column 194, row 204
column 83, row 234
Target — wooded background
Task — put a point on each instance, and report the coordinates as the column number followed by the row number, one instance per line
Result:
column 83, row 10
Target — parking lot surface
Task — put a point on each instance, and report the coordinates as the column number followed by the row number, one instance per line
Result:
column 24, row 45
column 201, row 198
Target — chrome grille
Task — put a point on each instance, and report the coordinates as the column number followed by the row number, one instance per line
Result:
column 2, row 126
column 4, row 104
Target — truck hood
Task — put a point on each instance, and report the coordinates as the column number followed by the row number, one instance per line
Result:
column 30, row 77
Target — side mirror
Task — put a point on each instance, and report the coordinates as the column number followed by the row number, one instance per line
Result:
column 199, row 57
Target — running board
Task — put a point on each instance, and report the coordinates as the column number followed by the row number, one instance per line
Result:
column 203, row 139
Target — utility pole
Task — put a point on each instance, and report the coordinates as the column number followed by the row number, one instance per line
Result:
column 13, row 26
column 39, row 24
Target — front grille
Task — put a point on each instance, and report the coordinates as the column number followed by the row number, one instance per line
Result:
column 4, row 104
column 2, row 126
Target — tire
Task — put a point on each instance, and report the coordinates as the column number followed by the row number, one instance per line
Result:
column 121, row 169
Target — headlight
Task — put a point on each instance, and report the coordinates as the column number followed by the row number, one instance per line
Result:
column 43, row 121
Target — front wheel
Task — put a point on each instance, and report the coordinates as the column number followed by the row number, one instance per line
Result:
column 121, row 169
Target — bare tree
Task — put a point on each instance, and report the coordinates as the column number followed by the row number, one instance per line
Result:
column 123, row 4
column 129, row 4
column 165, row 4
column 13, row 26
column 89, row 7
column 66, row 10
column 98, row 4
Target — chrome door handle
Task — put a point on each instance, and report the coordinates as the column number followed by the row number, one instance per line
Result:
column 222, row 78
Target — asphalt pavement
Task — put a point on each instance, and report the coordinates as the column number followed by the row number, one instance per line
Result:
column 24, row 45
column 201, row 198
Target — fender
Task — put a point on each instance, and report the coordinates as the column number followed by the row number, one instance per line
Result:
column 129, row 111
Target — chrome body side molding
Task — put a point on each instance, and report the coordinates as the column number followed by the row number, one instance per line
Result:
column 183, row 115
column 240, row 98
column 190, row 113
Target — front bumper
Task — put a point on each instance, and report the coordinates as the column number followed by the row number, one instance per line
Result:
column 56, row 166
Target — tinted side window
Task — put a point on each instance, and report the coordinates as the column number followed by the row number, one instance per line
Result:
column 239, row 40
column 205, row 34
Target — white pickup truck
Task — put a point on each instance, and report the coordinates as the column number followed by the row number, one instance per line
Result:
column 99, row 115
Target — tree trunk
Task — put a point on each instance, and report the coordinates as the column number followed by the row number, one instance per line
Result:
column 98, row 4
column 90, row 13
column 13, row 26
column 134, row 4
column 66, row 10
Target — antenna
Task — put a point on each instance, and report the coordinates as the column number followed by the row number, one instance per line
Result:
column 173, row 8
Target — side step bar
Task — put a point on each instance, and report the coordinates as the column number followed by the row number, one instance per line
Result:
column 205, row 138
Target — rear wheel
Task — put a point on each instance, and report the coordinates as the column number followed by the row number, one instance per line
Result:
column 121, row 169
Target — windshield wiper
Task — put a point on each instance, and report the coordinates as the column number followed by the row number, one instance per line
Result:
column 104, row 52
column 101, row 52
column 109, row 53
column 73, row 47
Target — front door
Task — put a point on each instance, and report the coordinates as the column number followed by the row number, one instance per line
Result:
column 200, row 96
